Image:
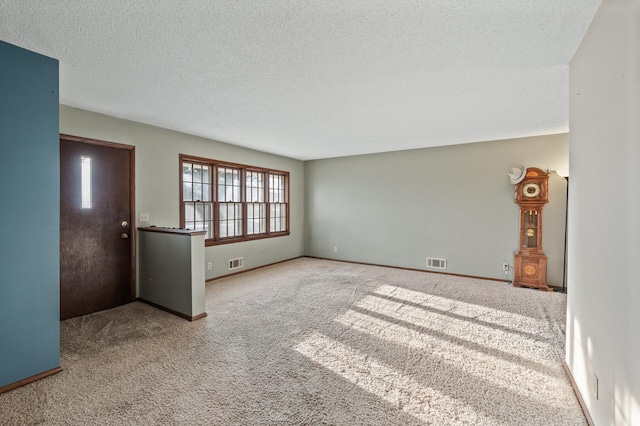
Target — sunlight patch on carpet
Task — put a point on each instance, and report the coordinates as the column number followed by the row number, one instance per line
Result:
column 469, row 310
column 479, row 334
column 387, row 383
column 512, row 377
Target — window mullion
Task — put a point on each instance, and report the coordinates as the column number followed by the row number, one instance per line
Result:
column 243, row 200
column 216, row 202
column 286, row 201
column 267, row 200
column 263, row 204
column 182, row 204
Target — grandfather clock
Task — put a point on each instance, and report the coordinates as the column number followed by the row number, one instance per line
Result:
column 530, row 264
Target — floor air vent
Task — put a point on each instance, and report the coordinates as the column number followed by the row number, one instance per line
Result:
column 436, row 263
column 236, row 263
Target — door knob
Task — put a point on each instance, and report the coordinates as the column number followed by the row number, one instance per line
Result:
column 124, row 223
column 124, row 236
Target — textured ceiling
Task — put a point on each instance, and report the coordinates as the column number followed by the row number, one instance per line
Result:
column 314, row 79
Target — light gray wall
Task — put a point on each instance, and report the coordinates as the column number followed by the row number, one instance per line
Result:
column 603, row 316
column 157, row 174
column 453, row 202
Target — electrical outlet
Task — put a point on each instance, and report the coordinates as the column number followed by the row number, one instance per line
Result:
column 144, row 217
column 505, row 266
column 209, row 265
column 335, row 249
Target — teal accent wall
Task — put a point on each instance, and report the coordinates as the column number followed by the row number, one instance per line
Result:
column 30, row 214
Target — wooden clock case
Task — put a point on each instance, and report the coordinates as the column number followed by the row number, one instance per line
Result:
column 530, row 263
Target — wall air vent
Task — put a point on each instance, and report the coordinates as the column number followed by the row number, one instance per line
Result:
column 236, row 263
column 436, row 263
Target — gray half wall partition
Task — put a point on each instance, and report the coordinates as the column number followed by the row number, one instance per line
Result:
column 172, row 275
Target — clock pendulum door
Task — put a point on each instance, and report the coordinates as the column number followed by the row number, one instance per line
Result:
column 530, row 263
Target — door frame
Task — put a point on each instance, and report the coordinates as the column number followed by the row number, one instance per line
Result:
column 132, row 197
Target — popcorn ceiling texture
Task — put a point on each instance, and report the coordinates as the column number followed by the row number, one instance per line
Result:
column 316, row 342
column 314, row 79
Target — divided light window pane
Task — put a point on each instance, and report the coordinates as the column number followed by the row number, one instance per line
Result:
column 255, row 187
column 189, row 214
column 256, row 218
column 198, row 216
column 230, row 220
column 196, row 182
column 187, row 172
column 256, row 211
column 196, row 197
column 276, row 188
column 278, row 206
column 187, row 191
column 229, row 185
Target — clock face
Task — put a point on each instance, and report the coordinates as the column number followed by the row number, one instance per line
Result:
column 531, row 190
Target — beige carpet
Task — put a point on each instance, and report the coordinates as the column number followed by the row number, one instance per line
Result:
column 316, row 342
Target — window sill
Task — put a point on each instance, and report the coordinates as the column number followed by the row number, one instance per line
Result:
column 209, row 243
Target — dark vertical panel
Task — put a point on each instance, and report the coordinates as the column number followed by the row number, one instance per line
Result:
column 95, row 267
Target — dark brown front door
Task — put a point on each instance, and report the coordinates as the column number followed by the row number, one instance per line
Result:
column 95, row 226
